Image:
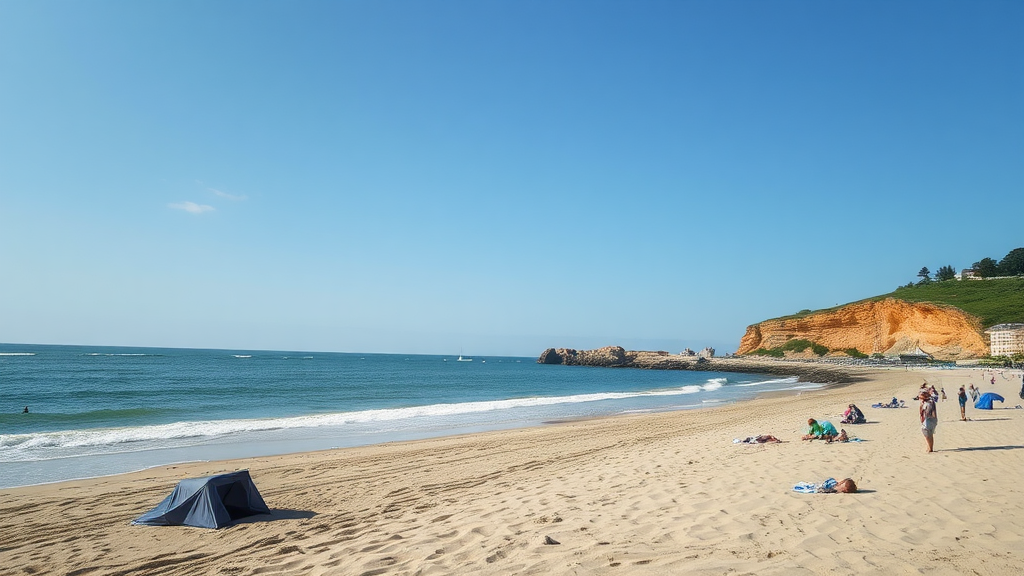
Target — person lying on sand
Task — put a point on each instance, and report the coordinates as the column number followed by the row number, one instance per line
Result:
column 830, row 486
column 762, row 439
column 820, row 431
column 844, row 486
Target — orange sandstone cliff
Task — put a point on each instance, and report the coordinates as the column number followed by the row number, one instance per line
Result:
column 888, row 326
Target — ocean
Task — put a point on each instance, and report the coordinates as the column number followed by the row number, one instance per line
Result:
column 94, row 411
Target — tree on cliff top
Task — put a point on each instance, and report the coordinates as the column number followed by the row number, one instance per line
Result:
column 1012, row 264
column 945, row 273
column 986, row 268
column 924, row 275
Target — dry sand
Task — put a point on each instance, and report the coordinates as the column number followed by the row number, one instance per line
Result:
column 654, row 494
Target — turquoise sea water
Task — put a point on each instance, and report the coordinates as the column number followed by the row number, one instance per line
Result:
column 96, row 411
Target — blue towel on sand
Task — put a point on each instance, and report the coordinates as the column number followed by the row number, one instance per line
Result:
column 806, row 488
column 809, row 488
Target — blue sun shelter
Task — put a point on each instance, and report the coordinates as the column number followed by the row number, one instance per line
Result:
column 211, row 502
column 985, row 402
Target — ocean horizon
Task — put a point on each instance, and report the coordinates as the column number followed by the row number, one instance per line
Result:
column 95, row 411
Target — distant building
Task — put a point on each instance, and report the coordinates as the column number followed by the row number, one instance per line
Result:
column 1006, row 339
column 967, row 274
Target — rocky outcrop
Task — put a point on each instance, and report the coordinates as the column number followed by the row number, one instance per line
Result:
column 888, row 326
column 617, row 357
column 607, row 357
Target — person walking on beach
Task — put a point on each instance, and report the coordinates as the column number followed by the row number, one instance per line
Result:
column 929, row 419
column 962, row 397
column 973, row 392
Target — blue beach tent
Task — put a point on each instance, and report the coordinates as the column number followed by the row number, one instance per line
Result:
column 210, row 502
column 985, row 402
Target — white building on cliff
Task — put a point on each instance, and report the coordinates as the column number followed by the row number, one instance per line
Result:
column 1006, row 339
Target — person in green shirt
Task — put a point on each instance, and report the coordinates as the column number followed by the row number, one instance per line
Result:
column 823, row 430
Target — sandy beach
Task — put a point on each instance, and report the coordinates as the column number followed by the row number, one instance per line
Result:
column 666, row 493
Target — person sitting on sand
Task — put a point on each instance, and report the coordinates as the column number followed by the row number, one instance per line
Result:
column 820, row 431
column 842, row 436
column 853, row 415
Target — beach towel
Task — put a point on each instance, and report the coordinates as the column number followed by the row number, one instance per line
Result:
column 810, row 488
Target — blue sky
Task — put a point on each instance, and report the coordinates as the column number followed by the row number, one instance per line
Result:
column 496, row 177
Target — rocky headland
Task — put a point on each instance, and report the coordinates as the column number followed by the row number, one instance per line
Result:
column 889, row 327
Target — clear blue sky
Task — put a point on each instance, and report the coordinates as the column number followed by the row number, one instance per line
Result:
column 496, row 177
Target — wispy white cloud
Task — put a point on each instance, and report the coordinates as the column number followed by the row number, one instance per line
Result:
column 234, row 197
column 192, row 207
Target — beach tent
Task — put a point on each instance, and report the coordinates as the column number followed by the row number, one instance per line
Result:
column 985, row 402
column 210, row 502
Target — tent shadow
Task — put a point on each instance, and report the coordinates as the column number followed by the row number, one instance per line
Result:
column 977, row 448
column 275, row 515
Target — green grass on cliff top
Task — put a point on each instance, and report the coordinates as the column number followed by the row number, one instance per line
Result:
column 992, row 301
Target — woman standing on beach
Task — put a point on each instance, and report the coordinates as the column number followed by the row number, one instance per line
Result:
column 929, row 419
column 962, row 397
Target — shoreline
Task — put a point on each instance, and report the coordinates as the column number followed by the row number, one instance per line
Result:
column 667, row 491
column 613, row 394
column 319, row 446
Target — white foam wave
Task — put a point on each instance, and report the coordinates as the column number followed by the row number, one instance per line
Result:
column 14, row 446
column 242, row 355
column 792, row 380
column 102, row 354
column 17, row 353
column 714, row 384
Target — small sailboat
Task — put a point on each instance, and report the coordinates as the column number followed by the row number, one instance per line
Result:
column 461, row 359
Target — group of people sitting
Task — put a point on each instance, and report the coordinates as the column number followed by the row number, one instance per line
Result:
column 894, row 403
column 853, row 415
column 824, row 430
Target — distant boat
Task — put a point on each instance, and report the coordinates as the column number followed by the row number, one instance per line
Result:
column 461, row 359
